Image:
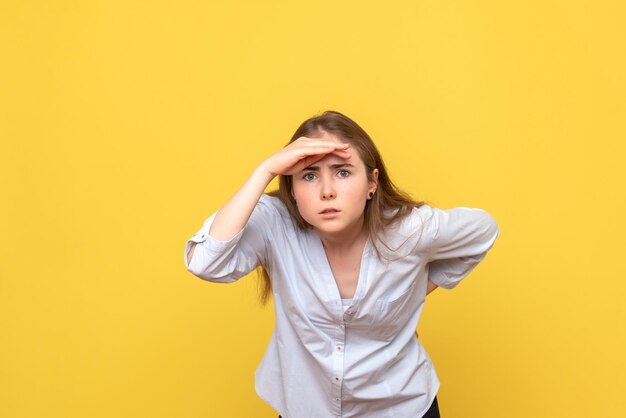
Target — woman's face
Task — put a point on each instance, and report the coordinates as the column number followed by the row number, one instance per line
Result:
column 331, row 194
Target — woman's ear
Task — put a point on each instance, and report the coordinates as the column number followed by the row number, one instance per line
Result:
column 375, row 179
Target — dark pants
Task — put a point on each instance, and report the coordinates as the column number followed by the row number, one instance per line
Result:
column 433, row 411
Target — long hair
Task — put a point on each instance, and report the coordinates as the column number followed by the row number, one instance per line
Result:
column 388, row 204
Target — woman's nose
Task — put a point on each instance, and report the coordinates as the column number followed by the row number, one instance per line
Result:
column 328, row 191
column 328, row 195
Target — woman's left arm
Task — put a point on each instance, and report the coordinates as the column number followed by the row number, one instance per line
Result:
column 460, row 240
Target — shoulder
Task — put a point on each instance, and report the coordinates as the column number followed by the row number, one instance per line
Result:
column 417, row 218
column 272, row 213
column 272, row 205
column 432, row 219
column 409, row 234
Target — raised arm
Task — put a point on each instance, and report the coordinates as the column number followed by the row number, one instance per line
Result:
column 234, row 215
column 301, row 153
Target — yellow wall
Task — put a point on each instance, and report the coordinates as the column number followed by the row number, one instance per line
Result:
column 123, row 125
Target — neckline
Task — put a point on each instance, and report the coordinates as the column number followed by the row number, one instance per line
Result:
column 328, row 273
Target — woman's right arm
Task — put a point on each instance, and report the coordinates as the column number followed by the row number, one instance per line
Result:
column 301, row 153
column 234, row 215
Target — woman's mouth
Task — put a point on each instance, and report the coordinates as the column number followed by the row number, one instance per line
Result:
column 329, row 213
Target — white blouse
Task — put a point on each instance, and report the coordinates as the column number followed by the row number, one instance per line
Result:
column 350, row 358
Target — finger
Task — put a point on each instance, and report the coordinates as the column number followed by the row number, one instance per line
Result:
column 343, row 154
column 323, row 142
column 306, row 154
column 311, row 160
column 315, row 150
column 321, row 152
column 314, row 139
column 304, row 163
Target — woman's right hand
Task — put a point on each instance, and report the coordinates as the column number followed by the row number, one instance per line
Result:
column 303, row 152
column 298, row 155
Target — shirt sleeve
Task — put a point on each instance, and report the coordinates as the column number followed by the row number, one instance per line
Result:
column 227, row 261
column 459, row 239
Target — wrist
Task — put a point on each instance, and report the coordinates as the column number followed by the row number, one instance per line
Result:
column 264, row 173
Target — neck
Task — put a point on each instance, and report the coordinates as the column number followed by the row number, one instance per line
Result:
column 345, row 239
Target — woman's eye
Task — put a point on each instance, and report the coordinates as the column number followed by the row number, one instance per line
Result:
column 344, row 173
column 309, row 176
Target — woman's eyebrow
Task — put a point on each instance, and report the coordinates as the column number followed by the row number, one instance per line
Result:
column 332, row 166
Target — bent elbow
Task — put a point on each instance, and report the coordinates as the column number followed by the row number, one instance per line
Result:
column 190, row 255
column 206, row 274
column 491, row 231
column 206, row 268
column 494, row 231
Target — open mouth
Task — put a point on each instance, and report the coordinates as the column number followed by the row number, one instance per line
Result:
column 328, row 211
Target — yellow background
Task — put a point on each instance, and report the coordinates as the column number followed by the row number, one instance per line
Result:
column 124, row 125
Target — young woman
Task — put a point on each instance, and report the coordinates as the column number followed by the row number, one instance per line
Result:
column 349, row 260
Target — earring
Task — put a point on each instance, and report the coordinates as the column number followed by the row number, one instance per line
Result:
column 370, row 195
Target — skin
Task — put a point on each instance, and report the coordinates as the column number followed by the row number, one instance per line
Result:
column 342, row 235
column 337, row 182
column 233, row 216
column 340, row 183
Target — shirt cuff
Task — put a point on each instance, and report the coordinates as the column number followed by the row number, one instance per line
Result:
column 212, row 245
